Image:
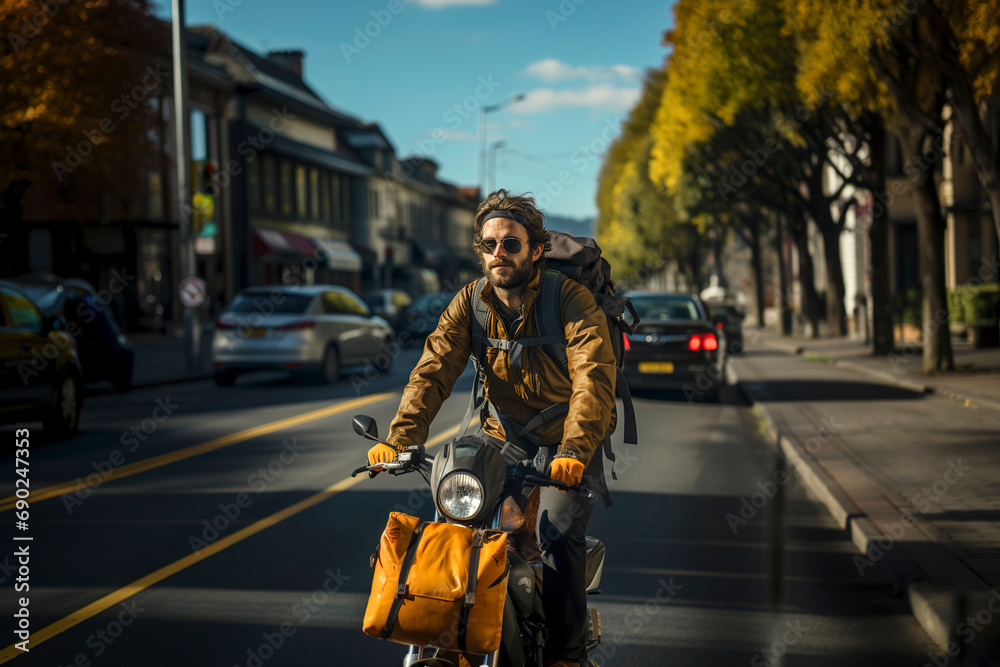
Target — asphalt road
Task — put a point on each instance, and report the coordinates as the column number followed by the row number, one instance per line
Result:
column 217, row 530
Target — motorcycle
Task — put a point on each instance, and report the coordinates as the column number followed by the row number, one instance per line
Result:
column 473, row 484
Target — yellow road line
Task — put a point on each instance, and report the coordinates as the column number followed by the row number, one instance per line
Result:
column 139, row 585
column 193, row 450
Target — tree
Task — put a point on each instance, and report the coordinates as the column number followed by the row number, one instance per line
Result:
column 865, row 54
column 964, row 45
column 70, row 123
column 732, row 68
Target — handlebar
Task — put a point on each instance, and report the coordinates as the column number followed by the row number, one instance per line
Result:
column 413, row 458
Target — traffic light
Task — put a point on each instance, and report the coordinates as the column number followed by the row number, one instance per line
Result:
column 207, row 180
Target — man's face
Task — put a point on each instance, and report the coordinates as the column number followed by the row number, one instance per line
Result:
column 503, row 269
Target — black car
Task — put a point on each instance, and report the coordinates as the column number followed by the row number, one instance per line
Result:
column 421, row 317
column 729, row 318
column 675, row 346
column 105, row 353
column 40, row 376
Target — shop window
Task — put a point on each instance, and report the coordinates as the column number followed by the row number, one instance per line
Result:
column 301, row 192
column 269, row 168
column 253, row 184
column 324, row 196
column 314, row 193
column 285, row 181
column 335, row 194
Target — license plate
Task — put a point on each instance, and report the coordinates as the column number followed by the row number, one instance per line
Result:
column 254, row 333
column 656, row 367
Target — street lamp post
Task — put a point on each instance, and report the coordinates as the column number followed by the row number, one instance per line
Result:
column 182, row 142
column 481, row 144
column 491, row 173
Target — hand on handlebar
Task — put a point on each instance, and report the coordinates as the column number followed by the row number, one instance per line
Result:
column 566, row 470
column 381, row 453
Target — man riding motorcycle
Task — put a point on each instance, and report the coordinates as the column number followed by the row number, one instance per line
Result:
column 511, row 243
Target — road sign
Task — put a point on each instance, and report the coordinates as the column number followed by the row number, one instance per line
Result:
column 192, row 291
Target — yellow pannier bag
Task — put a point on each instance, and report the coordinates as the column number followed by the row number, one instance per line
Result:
column 438, row 584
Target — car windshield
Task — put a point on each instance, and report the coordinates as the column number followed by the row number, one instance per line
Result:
column 270, row 302
column 46, row 297
column 665, row 308
column 432, row 303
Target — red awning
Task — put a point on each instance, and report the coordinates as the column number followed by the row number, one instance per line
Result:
column 271, row 245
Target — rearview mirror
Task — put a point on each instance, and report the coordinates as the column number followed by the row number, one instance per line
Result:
column 365, row 426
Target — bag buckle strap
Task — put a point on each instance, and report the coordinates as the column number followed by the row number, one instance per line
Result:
column 402, row 590
column 470, row 599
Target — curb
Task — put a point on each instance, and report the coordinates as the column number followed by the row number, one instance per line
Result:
column 934, row 610
column 968, row 399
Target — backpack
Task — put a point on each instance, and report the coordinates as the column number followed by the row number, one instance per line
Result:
column 579, row 259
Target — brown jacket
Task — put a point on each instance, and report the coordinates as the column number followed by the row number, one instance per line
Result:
column 519, row 393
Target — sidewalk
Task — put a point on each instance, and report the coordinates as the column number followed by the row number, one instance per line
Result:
column 160, row 358
column 976, row 378
column 914, row 476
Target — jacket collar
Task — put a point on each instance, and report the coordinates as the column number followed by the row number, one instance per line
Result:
column 529, row 297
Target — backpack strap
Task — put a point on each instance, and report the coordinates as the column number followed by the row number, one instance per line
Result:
column 480, row 314
column 470, row 590
column 549, row 317
column 621, row 388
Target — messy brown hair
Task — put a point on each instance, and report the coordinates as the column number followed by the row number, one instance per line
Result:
column 521, row 205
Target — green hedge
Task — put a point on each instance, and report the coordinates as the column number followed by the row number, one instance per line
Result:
column 978, row 304
column 907, row 307
column 956, row 308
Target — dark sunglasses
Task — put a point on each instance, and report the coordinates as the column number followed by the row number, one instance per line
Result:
column 511, row 245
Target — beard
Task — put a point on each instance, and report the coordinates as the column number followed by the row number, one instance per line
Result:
column 510, row 280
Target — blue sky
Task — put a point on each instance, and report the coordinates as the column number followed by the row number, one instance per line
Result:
column 424, row 65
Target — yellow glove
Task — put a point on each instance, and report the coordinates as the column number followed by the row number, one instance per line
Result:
column 566, row 470
column 381, row 453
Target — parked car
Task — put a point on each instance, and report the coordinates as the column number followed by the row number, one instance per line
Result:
column 729, row 318
column 675, row 346
column 388, row 304
column 40, row 374
column 421, row 317
column 310, row 330
column 105, row 353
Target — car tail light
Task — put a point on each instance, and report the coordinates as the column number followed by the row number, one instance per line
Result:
column 703, row 341
column 718, row 325
column 222, row 324
column 628, row 345
column 297, row 326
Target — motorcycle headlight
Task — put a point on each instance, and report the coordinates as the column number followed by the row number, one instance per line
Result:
column 460, row 496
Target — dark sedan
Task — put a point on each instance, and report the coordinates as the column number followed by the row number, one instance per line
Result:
column 730, row 318
column 675, row 346
column 40, row 377
column 421, row 317
column 105, row 353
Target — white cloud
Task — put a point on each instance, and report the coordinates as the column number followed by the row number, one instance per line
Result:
column 600, row 97
column 519, row 124
column 440, row 4
column 445, row 134
column 552, row 70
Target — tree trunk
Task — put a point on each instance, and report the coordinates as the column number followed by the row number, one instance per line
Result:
column 878, row 236
column 781, row 298
column 757, row 265
column 930, row 235
column 807, row 275
column 985, row 158
column 836, row 315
